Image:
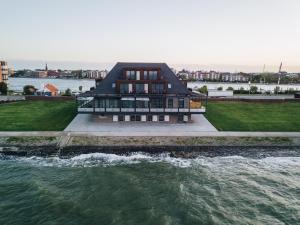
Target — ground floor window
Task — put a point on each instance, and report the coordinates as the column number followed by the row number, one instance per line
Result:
column 161, row 118
column 132, row 118
column 180, row 118
column 121, row 117
column 150, row 118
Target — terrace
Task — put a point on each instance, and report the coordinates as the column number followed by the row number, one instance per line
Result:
column 138, row 104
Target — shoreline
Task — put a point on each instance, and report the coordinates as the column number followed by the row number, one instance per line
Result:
column 88, row 134
column 184, row 147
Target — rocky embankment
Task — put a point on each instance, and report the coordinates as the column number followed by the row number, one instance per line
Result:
column 66, row 146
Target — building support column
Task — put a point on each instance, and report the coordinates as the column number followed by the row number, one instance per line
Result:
column 94, row 104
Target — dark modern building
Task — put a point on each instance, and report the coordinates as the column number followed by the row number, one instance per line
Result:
column 142, row 92
column 4, row 71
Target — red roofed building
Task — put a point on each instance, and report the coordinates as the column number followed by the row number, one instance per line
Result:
column 48, row 90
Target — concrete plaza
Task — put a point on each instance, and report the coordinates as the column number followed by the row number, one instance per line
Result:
column 92, row 123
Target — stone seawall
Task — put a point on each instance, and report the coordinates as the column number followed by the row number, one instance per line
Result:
column 175, row 146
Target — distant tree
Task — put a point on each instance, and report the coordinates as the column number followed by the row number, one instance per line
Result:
column 28, row 90
column 253, row 89
column 3, row 88
column 230, row 89
column 220, row 88
column 67, row 92
column 203, row 89
column 276, row 89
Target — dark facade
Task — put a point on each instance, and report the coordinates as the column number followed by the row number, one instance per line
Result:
column 142, row 92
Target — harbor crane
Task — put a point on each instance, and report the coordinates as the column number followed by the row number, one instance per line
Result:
column 279, row 73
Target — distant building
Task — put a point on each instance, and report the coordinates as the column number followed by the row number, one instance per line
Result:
column 48, row 90
column 52, row 73
column 94, row 74
column 235, row 77
column 40, row 74
column 4, row 72
column 142, row 92
column 11, row 72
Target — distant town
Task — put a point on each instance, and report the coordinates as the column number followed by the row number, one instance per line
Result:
column 281, row 77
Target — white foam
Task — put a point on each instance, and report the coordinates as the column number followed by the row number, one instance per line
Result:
column 103, row 159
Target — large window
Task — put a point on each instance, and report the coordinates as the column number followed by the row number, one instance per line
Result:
column 124, row 88
column 181, row 102
column 142, row 104
column 112, row 103
column 150, row 75
column 157, row 88
column 157, row 103
column 170, row 103
column 140, row 88
column 100, row 103
column 128, row 104
column 131, row 74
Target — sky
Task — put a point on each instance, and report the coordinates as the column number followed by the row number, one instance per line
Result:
column 231, row 35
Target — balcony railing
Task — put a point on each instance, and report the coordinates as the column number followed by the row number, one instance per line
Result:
column 158, row 110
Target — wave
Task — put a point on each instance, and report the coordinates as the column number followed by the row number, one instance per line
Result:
column 103, row 159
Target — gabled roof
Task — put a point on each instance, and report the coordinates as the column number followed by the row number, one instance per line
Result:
column 105, row 86
column 51, row 88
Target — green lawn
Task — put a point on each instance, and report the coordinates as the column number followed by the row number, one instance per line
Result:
column 36, row 115
column 242, row 116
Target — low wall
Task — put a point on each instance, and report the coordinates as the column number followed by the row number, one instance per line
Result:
column 252, row 100
column 173, row 151
column 13, row 98
column 48, row 98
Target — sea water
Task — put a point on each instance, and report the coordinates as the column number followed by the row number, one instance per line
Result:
column 145, row 189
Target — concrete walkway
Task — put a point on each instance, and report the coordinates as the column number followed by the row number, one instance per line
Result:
column 92, row 123
column 141, row 134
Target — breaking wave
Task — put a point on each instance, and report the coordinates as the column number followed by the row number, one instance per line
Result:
column 103, row 159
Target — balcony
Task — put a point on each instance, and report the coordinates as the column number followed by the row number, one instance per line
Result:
column 141, row 110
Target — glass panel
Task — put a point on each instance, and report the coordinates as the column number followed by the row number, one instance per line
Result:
column 170, row 103
column 127, row 104
column 131, row 74
column 124, row 88
column 112, row 103
column 181, row 103
column 146, row 77
column 157, row 88
column 157, row 103
column 161, row 118
column 142, row 104
column 100, row 103
column 140, row 88
column 152, row 75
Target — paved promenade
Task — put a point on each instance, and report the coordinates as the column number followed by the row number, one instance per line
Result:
column 91, row 123
column 151, row 134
